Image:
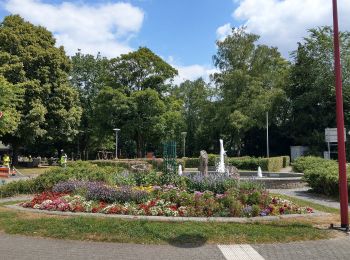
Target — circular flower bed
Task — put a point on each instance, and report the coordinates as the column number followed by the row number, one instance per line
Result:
column 167, row 200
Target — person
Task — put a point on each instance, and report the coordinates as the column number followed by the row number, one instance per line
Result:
column 6, row 161
column 63, row 160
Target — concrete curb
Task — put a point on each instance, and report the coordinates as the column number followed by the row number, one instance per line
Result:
column 172, row 219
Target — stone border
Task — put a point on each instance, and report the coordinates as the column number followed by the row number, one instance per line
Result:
column 171, row 219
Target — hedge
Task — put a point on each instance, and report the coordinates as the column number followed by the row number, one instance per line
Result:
column 286, row 161
column 272, row 164
column 320, row 174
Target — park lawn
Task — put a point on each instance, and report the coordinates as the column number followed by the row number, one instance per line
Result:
column 136, row 231
column 32, row 171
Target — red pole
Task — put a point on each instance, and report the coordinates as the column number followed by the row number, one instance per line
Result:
column 343, row 186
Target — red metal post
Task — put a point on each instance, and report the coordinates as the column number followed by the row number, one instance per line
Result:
column 343, row 186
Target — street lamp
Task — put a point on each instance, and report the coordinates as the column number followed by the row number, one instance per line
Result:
column 183, row 134
column 116, row 142
column 267, row 135
column 343, row 186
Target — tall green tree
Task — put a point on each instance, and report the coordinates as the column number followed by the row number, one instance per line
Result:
column 49, row 112
column 250, row 81
column 140, row 70
column 195, row 96
column 10, row 100
column 88, row 76
column 311, row 91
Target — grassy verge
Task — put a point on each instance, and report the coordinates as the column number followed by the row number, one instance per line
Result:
column 32, row 171
column 128, row 231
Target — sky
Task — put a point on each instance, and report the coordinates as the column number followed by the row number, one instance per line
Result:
column 182, row 32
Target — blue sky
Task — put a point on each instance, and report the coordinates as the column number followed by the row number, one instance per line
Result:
column 183, row 32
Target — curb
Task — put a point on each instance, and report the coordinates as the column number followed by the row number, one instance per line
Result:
column 172, row 219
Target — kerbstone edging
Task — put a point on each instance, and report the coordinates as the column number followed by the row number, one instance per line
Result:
column 172, row 219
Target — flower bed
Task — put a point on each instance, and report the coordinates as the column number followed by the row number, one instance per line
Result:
column 168, row 200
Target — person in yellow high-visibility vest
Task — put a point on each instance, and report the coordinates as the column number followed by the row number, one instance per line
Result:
column 63, row 160
column 6, row 161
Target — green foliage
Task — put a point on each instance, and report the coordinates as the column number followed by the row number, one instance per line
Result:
column 286, row 161
column 320, row 174
column 10, row 100
column 140, row 70
column 49, row 108
column 311, row 91
column 251, row 81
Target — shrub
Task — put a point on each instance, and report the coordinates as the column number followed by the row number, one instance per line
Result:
column 274, row 164
column 216, row 183
column 286, row 161
column 191, row 162
column 84, row 171
column 320, row 174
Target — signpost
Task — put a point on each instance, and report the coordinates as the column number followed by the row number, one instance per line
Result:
column 331, row 136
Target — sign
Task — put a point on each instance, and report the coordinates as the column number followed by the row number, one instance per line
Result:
column 331, row 135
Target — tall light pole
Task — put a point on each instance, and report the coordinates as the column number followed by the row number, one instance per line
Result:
column 343, row 186
column 184, row 143
column 116, row 142
column 267, row 135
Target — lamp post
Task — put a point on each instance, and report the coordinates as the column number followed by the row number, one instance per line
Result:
column 267, row 135
column 183, row 134
column 343, row 187
column 116, row 142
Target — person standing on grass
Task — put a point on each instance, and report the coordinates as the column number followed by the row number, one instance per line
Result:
column 6, row 161
column 63, row 159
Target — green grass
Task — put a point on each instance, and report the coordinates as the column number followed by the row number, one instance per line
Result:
column 131, row 231
column 32, row 171
column 305, row 203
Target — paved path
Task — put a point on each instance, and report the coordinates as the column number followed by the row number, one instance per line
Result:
column 303, row 193
column 13, row 247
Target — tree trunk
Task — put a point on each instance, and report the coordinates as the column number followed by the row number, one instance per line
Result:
column 15, row 154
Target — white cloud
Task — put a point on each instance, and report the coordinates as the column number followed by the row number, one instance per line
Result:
column 193, row 72
column 92, row 28
column 283, row 23
column 223, row 31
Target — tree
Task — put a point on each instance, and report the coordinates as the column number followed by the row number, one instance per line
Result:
column 195, row 96
column 250, row 81
column 88, row 76
column 49, row 111
column 311, row 91
column 140, row 70
column 10, row 100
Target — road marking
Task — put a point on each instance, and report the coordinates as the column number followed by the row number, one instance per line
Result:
column 239, row 252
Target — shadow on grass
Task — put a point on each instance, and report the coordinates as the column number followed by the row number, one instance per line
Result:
column 188, row 241
column 182, row 240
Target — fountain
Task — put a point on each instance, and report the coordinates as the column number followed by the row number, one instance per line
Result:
column 259, row 172
column 221, row 167
column 180, row 170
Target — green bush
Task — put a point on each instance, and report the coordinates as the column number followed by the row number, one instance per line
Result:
column 274, row 164
column 249, row 163
column 191, row 162
column 320, row 174
column 286, row 161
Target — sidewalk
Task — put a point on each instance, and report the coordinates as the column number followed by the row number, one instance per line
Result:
column 304, row 194
column 31, row 248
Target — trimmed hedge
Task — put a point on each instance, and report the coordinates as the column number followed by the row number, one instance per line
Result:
column 286, row 161
column 272, row 164
column 321, row 174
